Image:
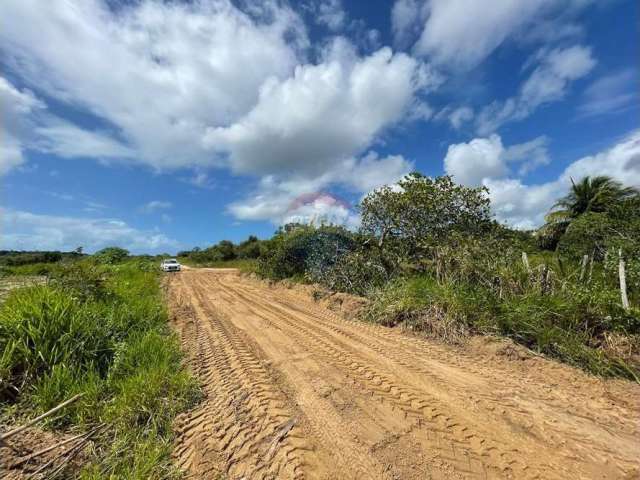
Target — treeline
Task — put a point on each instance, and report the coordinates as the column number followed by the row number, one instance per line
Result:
column 224, row 251
column 430, row 256
column 15, row 258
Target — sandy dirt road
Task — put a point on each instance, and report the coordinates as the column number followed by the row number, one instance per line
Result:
column 294, row 391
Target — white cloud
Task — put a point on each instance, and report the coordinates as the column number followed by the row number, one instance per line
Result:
column 331, row 13
column 172, row 68
column 460, row 34
column 10, row 155
column 524, row 205
column 470, row 163
column 29, row 231
column 66, row 140
column 548, row 82
column 17, row 108
column 407, row 20
column 281, row 199
column 455, row 116
column 322, row 114
column 481, row 158
column 200, row 179
column 612, row 93
column 372, row 172
column 154, row 206
column 621, row 162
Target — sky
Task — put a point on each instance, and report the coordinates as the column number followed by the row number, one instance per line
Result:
column 160, row 126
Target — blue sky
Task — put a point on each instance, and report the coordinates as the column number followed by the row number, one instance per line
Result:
column 160, row 126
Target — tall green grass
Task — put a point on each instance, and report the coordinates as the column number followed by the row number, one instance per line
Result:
column 570, row 325
column 102, row 331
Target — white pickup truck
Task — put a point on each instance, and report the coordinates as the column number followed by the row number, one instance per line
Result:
column 170, row 265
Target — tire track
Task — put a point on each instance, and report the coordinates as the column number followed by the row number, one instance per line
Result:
column 467, row 451
column 237, row 429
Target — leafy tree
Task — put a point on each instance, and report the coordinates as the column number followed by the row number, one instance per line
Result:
column 226, row 250
column 420, row 212
column 111, row 255
column 250, row 248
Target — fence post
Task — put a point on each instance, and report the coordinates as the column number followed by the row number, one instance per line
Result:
column 583, row 266
column 525, row 261
column 623, row 281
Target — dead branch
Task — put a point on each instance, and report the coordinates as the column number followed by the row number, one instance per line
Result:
column 17, row 430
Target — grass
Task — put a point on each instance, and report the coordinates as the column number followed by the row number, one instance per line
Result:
column 101, row 330
column 571, row 325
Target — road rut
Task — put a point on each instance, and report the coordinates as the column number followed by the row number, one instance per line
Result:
column 294, row 391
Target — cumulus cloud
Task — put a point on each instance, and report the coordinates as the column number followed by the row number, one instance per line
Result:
column 204, row 85
column 610, row 94
column 470, row 163
column 524, row 205
column 459, row 34
column 481, row 158
column 282, row 199
column 322, row 114
column 172, row 67
column 29, row 231
column 549, row 82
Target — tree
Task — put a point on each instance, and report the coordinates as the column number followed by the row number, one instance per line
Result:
column 420, row 212
column 591, row 194
column 250, row 248
column 111, row 255
column 597, row 194
column 226, row 250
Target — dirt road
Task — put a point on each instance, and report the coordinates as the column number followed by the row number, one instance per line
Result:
column 295, row 391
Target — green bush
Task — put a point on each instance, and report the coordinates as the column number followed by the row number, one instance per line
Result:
column 357, row 272
column 302, row 249
column 111, row 255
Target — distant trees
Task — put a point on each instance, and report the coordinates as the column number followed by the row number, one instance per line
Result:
column 225, row 250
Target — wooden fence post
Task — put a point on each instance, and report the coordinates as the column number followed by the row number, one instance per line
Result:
column 525, row 261
column 583, row 266
column 623, row 281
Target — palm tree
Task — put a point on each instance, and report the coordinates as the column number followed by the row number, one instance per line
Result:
column 591, row 194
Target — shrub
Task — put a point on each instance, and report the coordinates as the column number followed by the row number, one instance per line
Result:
column 358, row 272
column 83, row 280
column 111, row 255
column 302, row 250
